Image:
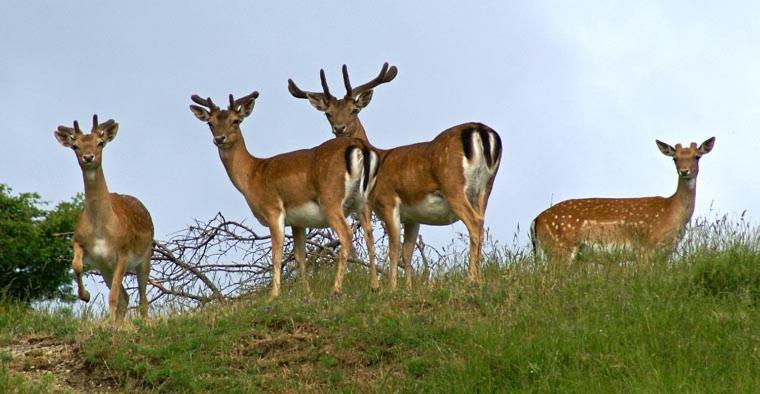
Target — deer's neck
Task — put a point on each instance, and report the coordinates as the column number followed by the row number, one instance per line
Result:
column 97, row 199
column 240, row 165
column 684, row 199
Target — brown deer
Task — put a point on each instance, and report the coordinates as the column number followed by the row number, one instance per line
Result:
column 643, row 225
column 315, row 187
column 114, row 232
column 437, row 182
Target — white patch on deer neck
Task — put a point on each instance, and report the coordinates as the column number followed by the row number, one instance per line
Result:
column 100, row 248
column 433, row 209
column 90, row 175
column 307, row 215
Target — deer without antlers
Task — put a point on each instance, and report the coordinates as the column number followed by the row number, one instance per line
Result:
column 315, row 187
column 114, row 232
column 643, row 225
column 437, row 182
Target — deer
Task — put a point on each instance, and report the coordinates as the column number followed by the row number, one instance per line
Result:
column 114, row 232
column 643, row 225
column 438, row 182
column 317, row 187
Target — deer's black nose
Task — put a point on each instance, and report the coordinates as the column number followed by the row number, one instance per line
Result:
column 88, row 158
column 220, row 139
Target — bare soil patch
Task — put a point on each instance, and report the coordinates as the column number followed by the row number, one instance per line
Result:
column 37, row 358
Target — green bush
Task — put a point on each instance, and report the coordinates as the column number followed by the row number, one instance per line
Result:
column 35, row 247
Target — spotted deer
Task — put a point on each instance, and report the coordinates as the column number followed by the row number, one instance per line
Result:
column 315, row 187
column 114, row 232
column 437, row 182
column 642, row 225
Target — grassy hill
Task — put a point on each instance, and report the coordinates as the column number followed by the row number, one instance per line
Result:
column 689, row 325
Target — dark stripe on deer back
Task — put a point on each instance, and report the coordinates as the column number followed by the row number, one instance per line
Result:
column 497, row 151
column 467, row 142
column 348, row 152
column 484, row 130
column 367, row 170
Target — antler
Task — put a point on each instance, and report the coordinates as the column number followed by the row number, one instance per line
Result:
column 386, row 75
column 77, row 130
column 94, row 123
column 204, row 102
column 298, row 93
column 235, row 103
column 324, row 83
column 97, row 126
column 346, row 81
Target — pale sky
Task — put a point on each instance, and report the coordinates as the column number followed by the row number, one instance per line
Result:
column 578, row 91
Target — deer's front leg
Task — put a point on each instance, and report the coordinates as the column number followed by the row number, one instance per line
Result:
column 276, row 230
column 78, row 266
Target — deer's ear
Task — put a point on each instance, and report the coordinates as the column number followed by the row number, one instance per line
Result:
column 317, row 101
column 108, row 130
column 364, row 99
column 666, row 149
column 706, row 146
column 200, row 113
column 245, row 109
column 65, row 136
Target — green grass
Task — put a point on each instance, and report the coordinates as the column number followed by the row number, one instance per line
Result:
column 12, row 383
column 18, row 320
column 690, row 325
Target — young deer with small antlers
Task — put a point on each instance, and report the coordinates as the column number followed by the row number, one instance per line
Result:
column 114, row 232
column 437, row 182
column 642, row 225
column 315, row 187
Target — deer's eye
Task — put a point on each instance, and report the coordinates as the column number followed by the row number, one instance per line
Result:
column 237, row 121
column 75, row 147
column 101, row 144
column 355, row 111
column 329, row 115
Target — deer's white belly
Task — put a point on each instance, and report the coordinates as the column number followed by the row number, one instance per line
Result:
column 306, row 215
column 433, row 209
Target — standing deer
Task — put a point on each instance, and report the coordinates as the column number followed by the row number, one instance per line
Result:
column 643, row 225
column 437, row 182
column 114, row 232
column 315, row 187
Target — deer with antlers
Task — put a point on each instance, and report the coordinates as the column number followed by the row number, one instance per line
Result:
column 114, row 232
column 643, row 225
column 315, row 187
column 437, row 182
